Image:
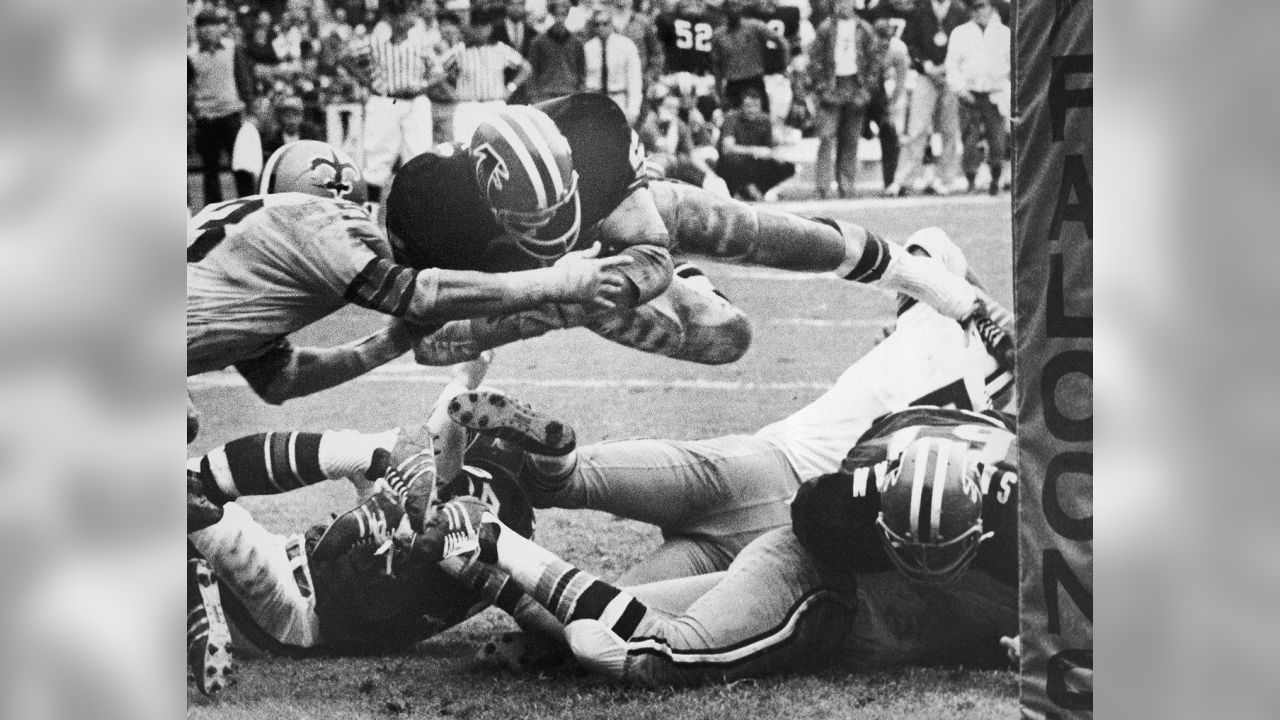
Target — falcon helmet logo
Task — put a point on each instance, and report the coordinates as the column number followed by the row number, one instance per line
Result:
column 491, row 170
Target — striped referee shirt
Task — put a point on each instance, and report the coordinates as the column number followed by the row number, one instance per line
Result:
column 480, row 71
column 403, row 68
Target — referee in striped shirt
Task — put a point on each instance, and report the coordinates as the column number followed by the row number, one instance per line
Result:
column 481, row 69
column 396, row 72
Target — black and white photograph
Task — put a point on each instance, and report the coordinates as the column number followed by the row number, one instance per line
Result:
column 614, row 359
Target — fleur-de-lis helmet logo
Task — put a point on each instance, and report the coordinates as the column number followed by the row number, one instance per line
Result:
column 334, row 175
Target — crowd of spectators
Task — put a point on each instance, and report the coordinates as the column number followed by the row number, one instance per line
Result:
column 719, row 91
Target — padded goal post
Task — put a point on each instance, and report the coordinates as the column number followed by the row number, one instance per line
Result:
column 1053, row 295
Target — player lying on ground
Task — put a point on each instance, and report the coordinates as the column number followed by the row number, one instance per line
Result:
column 358, row 584
column 869, row 568
column 538, row 181
column 711, row 497
column 260, row 268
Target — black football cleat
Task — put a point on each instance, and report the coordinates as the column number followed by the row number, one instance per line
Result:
column 492, row 412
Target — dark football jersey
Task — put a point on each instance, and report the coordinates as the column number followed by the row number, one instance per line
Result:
column 364, row 609
column 437, row 216
column 686, row 40
column 834, row 516
column 784, row 21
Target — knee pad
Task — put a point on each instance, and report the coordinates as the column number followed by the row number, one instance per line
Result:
column 718, row 343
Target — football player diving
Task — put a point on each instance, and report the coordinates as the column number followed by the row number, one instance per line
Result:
column 538, row 181
column 262, row 267
column 900, row 545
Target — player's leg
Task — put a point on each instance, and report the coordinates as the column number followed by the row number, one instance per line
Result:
column 266, row 572
column 277, row 462
column 701, row 223
column 716, row 495
column 688, row 321
column 770, row 612
column 928, row 359
column 208, row 635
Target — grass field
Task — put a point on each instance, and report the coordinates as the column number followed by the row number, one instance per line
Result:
column 807, row 330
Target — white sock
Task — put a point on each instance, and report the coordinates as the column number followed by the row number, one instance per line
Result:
column 928, row 280
column 346, row 453
column 523, row 559
column 553, row 468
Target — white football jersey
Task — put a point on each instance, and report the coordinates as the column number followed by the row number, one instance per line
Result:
column 262, row 267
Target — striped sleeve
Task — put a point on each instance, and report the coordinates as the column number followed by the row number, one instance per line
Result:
column 384, row 286
column 353, row 260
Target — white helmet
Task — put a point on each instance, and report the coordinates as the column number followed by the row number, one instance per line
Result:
column 314, row 168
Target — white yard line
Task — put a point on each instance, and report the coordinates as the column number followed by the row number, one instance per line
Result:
column 416, row 374
column 817, row 207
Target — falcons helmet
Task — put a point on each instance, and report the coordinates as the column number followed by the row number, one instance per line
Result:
column 931, row 510
column 314, row 168
column 524, row 167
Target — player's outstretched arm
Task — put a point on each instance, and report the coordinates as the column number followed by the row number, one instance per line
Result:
column 287, row 372
column 579, row 277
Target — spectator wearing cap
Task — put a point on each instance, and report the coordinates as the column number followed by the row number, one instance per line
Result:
column 613, row 66
column 933, row 104
column 220, row 86
column 843, row 74
column 396, row 72
column 556, row 57
column 482, row 80
column 978, row 72
column 747, row 142
column 290, row 126
column 738, row 51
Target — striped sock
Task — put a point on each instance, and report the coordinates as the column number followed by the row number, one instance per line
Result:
column 873, row 260
column 264, row 464
column 571, row 595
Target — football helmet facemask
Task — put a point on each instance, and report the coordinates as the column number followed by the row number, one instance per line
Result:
column 931, row 510
column 314, row 168
column 524, row 168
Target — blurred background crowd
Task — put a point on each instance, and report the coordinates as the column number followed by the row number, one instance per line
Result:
column 749, row 98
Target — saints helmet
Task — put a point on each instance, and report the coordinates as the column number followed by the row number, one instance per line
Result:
column 931, row 510
column 524, row 168
column 314, row 168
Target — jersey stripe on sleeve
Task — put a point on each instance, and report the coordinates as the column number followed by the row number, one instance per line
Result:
column 383, row 286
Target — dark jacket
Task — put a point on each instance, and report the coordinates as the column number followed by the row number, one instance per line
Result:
column 822, row 65
column 921, row 32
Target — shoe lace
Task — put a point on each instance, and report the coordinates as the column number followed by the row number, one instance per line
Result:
column 995, row 339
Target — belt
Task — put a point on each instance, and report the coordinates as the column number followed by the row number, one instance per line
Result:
column 295, row 550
